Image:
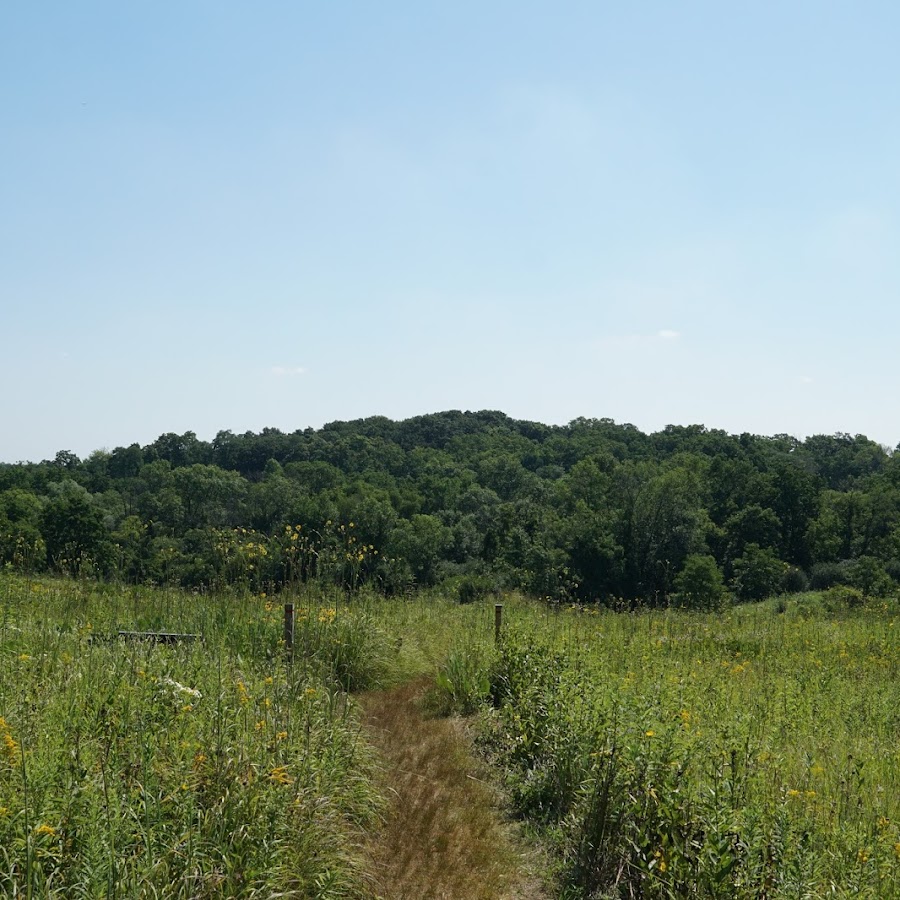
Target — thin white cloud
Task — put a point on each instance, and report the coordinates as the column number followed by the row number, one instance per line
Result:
column 282, row 371
column 664, row 335
column 805, row 379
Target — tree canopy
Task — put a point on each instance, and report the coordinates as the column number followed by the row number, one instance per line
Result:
column 592, row 510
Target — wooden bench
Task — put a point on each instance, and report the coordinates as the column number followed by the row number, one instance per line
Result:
column 158, row 637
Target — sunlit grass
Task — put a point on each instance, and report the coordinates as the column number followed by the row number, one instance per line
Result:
column 221, row 767
column 747, row 754
column 662, row 754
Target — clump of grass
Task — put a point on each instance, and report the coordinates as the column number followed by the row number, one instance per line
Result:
column 352, row 649
column 462, row 682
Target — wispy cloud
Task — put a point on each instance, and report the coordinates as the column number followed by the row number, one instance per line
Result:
column 805, row 379
column 283, row 371
column 664, row 335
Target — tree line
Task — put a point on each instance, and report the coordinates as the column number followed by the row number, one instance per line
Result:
column 589, row 511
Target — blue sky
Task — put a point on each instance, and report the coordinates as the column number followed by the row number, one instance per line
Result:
column 219, row 215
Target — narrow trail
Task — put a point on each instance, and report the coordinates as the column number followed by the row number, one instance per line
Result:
column 445, row 837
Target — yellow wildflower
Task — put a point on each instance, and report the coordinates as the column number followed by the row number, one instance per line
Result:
column 280, row 775
column 10, row 747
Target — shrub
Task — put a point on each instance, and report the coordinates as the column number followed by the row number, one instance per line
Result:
column 845, row 595
column 824, row 575
column 892, row 569
column 462, row 683
column 699, row 584
column 868, row 575
column 757, row 573
column 794, row 581
column 474, row 587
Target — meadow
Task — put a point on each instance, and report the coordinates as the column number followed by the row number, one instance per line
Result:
column 748, row 754
column 199, row 769
column 658, row 754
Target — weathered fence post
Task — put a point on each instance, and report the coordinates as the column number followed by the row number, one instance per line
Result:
column 498, row 621
column 288, row 627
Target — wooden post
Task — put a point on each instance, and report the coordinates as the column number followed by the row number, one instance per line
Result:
column 498, row 621
column 288, row 626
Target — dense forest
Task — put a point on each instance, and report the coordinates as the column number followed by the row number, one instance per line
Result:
column 589, row 511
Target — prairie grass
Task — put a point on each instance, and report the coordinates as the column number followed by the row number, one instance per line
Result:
column 667, row 754
column 753, row 753
column 748, row 754
column 215, row 768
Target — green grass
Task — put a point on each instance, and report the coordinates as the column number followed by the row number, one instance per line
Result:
column 675, row 755
column 206, row 769
column 747, row 754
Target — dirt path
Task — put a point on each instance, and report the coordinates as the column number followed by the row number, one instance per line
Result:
column 444, row 836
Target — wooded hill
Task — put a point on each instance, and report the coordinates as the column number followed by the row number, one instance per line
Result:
column 592, row 510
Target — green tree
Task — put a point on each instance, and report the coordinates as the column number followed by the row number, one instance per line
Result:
column 74, row 533
column 868, row 575
column 757, row 573
column 21, row 544
column 595, row 558
column 421, row 542
column 209, row 495
column 699, row 584
column 669, row 523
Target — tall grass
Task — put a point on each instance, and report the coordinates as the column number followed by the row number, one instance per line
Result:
column 222, row 767
column 747, row 754
column 671, row 755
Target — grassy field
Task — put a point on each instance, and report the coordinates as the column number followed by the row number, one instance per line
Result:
column 202, row 769
column 750, row 754
column 747, row 754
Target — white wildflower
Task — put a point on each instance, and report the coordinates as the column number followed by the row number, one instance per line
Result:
column 179, row 688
